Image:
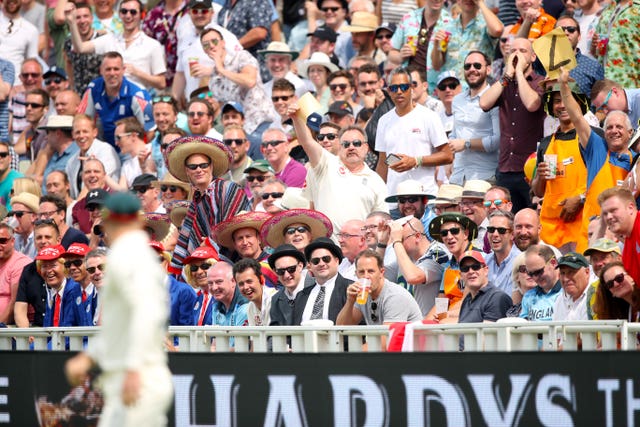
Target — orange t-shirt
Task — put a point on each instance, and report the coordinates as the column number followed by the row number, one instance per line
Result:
column 542, row 26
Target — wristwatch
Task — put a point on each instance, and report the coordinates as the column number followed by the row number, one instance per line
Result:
column 467, row 145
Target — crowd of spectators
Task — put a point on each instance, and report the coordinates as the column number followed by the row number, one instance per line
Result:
column 358, row 162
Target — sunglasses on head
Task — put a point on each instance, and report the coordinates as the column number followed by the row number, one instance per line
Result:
column 450, row 86
column 475, row 267
column 274, row 195
column 570, row 29
column 341, row 86
column 4, row 240
column 300, row 229
column 454, row 231
column 132, row 12
column 291, row 269
column 326, row 259
column 284, row 98
column 171, row 188
column 231, row 141
column 403, row 87
column 195, row 267
column 92, row 270
column 500, row 230
column 194, row 166
column 617, row 279
column 73, row 262
column 329, row 136
column 56, row 80
column 356, row 143
column 260, row 178
column 408, row 199
column 273, row 143
column 204, row 95
column 166, row 99
column 475, row 65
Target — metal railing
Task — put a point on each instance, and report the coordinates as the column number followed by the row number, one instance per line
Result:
column 505, row 336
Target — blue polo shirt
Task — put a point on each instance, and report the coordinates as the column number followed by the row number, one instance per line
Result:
column 595, row 155
column 58, row 162
column 132, row 101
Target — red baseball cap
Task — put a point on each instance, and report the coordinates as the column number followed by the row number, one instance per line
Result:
column 477, row 255
column 157, row 246
column 203, row 252
column 79, row 249
column 50, row 253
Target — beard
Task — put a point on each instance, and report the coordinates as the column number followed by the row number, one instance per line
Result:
column 477, row 84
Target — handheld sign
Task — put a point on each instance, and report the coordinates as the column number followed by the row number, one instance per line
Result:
column 554, row 51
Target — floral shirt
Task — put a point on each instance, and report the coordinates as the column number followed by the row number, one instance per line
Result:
column 115, row 24
column 619, row 37
column 86, row 66
column 162, row 26
column 258, row 108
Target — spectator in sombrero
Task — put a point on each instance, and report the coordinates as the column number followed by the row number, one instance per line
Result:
column 297, row 227
column 200, row 161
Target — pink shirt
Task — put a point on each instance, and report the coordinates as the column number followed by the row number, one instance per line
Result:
column 10, row 273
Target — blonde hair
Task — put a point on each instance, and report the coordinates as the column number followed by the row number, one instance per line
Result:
column 29, row 185
column 60, row 260
column 187, row 270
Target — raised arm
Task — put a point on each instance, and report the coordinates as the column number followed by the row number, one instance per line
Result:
column 310, row 146
column 78, row 44
column 573, row 109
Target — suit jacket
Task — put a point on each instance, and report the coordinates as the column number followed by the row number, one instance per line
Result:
column 183, row 298
column 282, row 308
column 71, row 312
column 206, row 320
column 337, row 301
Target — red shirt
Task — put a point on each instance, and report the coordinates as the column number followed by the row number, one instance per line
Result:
column 631, row 252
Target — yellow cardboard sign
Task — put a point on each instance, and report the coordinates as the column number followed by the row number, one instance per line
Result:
column 554, row 51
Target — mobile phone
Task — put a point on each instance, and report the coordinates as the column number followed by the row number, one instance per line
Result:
column 391, row 159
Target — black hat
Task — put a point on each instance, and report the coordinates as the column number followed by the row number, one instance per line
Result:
column 463, row 220
column 96, row 197
column 143, row 180
column 326, row 243
column 340, row 108
column 55, row 71
column 325, row 33
column 285, row 250
column 389, row 26
column 204, row 4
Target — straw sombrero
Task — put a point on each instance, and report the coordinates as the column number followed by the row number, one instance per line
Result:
column 223, row 232
column 448, row 194
column 179, row 150
column 272, row 231
column 158, row 224
column 171, row 180
column 177, row 211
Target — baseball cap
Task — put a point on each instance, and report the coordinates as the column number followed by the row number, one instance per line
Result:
column 96, row 197
column 447, row 75
column 389, row 26
column 79, row 249
column 233, row 105
column 341, row 108
column 603, row 245
column 55, row 71
column 143, row 180
column 573, row 260
column 324, row 33
column 260, row 165
column 50, row 252
column 477, row 255
column 203, row 4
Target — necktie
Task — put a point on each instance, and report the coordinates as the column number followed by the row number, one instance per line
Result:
column 56, row 310
column 84, row 295
column 204, row 308
column 318, row 305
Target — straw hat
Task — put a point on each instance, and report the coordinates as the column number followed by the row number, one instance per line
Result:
column 317, row 58
column 171, row 180
column 223, row 232
column 475, row 189
column 158, row 224
column 362, row 22
column 448, row 194
column 272, row 231
column 177, row 211
column 279, row 48
column 179, row 150
column 58, row 122
column 31, row 201
column 292, row 198
column 463, row 220
column 408, row 187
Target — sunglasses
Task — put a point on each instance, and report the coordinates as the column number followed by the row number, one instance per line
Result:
column 167, row 99
column 141, row 190
column 330, row 9
column 199, row 11
column 56, row 80
column 210, row 43
column 450, row 86
column 4, row 240
column 409, row 199
column 18, row 214
column 329, row 136
column 300, row 229
column 47, row 221
column 122, row 135
column 75, row 263
column 291, row 269
column 195, row 267
column 356, row 143
column 193, row 114
column 401, row 87
column 92, row 270
column 522, row 269
column 503, row 39
column 384, row 36
column 496, row 203
column 273, row 143
column 4, row 154
column 132, row 12
column 30, row 75
column 570, row 29
column 374, row 307
column 274, row 195
column 341, row 86
column 500, row 230
column 194, row 166
column 256, row 178
column 171, row 188
column 204, row 95
column 33, row 105
column 475, row 267
column 326, row 259
column 605, row 104
column 92, row 208
column 284, row 98
column 617, row 279
column 536, row 273
column 475, row 65
column 454, row 231
column 236, row 141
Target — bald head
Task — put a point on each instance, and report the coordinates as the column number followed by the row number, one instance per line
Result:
column 526, row 228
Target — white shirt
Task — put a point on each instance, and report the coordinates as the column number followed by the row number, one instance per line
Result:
column 347, row 269
column 565, row 308
column 100, row 150
column 261, row 317
column 302, row 85
column 19, row 44
column 328, row 287
column 194, row 50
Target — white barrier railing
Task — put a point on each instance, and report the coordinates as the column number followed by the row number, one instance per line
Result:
column 500, row 336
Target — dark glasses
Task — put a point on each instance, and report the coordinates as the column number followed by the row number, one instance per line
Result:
column 273, row 143
column 330, row 9
column 33, row 105
column 522, row 269
column 56, row 80
column 617, row 279
column 503, row 39
column 141, row 190
column 29, row 75
column 124, row 11
column 92, row 208
column 195, row 267
column 341, row 86
column 454, row 231
column 231, row 141
column 356, row 143
column 209, row 44
column 384, row 36
column 193, row 114
column 315, row 261
column 75, row 263
column 450, row 86
column 300, row 229
column 500, row 230
column 18, row 214
column 291, row 269
column 256, row 178
column 92, row 270
column 330, row 136
column 496, row 203
column 475, row 65
column 47, row 221
column 194, row 166
column 570, row 29
column 4, row 240
column 409, row 199
column 401, row 87
column 4, row 154
column 536, row 273
column 199, row 11
column 475, row 267
column 171, row 188
column 284, row 98
column 276, row 195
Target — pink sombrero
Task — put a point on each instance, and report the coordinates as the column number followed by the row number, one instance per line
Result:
column 177, row 211
column 272, row 231
column 223, row 232
column 158, row 224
